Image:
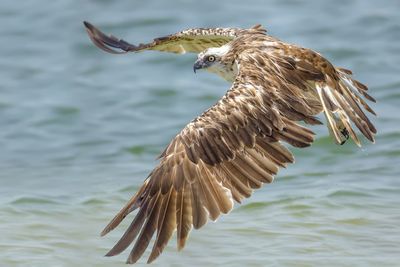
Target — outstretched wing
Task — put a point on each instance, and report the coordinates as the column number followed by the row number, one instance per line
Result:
column 190, row 40
column 299, row 82
column 340, row 96
column 221, row 156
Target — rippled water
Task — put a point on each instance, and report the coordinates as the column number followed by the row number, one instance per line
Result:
column 80, row 130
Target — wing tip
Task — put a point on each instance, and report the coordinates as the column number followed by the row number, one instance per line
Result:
column 130, row 261
column 181, row 244
column 107, row 43
column 104, row 232
column 153, row 256
column 107, row 229
column 87, row 24
column 109, row 254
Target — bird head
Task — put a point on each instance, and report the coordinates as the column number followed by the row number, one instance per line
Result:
column 218, row 61
column 211, row 58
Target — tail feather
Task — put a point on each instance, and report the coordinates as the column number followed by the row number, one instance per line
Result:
column 343, row 107
column 334, row 124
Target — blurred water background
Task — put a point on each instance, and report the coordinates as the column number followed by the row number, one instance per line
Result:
column 80, row 130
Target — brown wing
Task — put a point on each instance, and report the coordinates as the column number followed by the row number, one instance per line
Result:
column 191, row 40
column 340, row 96
column 299, row 82
column 223, row 155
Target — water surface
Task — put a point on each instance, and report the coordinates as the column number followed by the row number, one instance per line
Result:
column 80, row 130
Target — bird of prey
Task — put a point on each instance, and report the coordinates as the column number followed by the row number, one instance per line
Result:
column 236, row 145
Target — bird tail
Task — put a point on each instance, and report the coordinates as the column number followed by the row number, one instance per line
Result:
column 341, row 101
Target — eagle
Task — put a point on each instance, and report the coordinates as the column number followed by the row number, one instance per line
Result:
column 235, row 146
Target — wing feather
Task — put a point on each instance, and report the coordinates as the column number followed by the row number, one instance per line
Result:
column 199, row 213
column 148, row 229
column 131, row 232
column 237, row 181
column 190, row 40
column 206, row 198
column 184, row 215
column 166, row 224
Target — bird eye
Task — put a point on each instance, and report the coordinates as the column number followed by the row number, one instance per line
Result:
column 210, row 58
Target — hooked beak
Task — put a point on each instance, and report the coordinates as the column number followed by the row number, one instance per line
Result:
column 199, row 64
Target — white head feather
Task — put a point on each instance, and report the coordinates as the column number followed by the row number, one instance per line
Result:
column 219, row 67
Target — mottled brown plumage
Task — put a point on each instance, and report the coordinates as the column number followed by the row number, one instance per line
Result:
column 235, row 146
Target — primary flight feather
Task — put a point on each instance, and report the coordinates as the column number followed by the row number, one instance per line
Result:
column 235, row 146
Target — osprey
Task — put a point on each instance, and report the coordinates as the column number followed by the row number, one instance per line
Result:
column 235, row 146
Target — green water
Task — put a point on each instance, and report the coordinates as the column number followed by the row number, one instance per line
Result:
column 80, row 130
